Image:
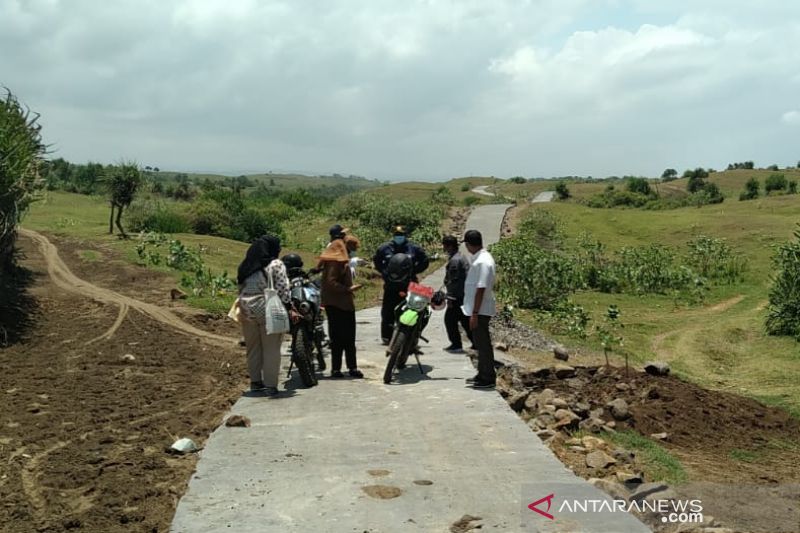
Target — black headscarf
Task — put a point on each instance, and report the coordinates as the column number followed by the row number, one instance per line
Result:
column 262, row 252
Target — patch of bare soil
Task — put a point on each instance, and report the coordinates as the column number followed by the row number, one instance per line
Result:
column 741, row 457
column 382, row 492
column 96, row 391
column 705, row 429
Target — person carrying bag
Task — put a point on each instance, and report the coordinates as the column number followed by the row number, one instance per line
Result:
column 265, row 304
column 275, row 313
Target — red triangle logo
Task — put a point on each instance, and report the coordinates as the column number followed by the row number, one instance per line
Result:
column 549, row 499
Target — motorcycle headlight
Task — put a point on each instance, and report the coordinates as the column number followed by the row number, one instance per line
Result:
column 417, row 302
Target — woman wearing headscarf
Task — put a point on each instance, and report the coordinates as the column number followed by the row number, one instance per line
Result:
column 337, row 297
column 263, row 349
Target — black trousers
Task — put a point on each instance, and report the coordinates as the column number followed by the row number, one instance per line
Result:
column 483, row 343
column 391, row 299
column 452, row 318
column 342, row 331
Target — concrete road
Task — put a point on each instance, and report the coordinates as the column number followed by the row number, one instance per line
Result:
column 483, row 189
column 542, row 197
column 361, row 456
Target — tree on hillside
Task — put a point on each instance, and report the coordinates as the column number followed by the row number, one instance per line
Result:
column 751, row 190
column 639, row 185
column 562, row 191
column 669, row 174
column 772, row 167
column 775, row 182
column 21, row 155
column 747, row 165
column 123, row 181
column 695, row 184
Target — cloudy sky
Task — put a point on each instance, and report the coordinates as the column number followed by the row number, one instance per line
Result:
column 422, row 89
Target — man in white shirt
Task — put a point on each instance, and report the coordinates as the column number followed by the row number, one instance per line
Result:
column 480, row 306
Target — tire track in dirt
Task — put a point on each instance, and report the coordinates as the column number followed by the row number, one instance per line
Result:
column 35, row 490
column 63, row 277
column 123, row 312
column 658, row 340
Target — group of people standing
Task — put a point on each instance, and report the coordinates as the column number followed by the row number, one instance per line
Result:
column 470, row 300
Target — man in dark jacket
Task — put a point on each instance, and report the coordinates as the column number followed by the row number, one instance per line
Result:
column 454, row 278
column 391, row 291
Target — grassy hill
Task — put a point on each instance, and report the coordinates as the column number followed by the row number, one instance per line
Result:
column 722, row 343
column 289, row 181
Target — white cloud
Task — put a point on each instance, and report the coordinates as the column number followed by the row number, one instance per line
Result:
column 431, row 88
column 791, row 117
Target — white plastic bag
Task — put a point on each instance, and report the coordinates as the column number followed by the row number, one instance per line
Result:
column 235, row 311
column 277, row 318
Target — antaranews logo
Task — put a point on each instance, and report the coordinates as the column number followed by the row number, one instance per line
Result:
column 672, row 511
column 534, row 506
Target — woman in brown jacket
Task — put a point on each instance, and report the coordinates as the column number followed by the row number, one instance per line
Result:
column 337, row 297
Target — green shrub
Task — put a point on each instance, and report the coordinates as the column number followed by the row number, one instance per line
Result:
column 466, row 187
column 443, row 196
column 709, row 193
column 792, row 187
column 562, row 191
column 21, row 154
column 775, row 182
column 783, row 316
column 614, row 198
column 594, row 266
column 153, row 215
column 543, row 228
column 531, row 277
column 651, row 269
column 252, row 223
column 712, row 258
column 518, row 180
column 469, row 201
column 209, row 218
column 566, row 318
column 751, row 190
column 378, row 214
column 639, row 185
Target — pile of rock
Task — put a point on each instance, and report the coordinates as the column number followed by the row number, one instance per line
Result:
column 510, row 333
column 458, row 220
column 556, row 417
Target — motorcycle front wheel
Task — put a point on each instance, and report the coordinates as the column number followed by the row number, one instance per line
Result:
column 301, row 351
column 396, row 352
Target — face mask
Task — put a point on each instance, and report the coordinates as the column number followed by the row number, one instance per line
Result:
column 399, row 240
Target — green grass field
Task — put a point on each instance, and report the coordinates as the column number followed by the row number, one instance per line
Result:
column 287, row 181
column 86, row 218
column 720, row 344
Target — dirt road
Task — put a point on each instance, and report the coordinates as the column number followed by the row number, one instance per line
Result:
column 63, row 277
column 94, row 393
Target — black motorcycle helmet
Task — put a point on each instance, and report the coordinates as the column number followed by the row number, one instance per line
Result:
column 400, row 268
column 291, row 261
column 439, row 300
column 293, row 264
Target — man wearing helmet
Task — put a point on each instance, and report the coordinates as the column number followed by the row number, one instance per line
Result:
column 397, row 272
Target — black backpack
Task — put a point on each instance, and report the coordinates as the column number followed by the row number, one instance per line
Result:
column 400, row 268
